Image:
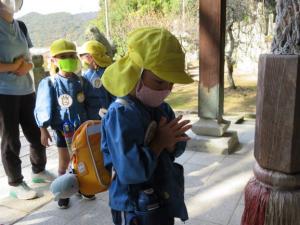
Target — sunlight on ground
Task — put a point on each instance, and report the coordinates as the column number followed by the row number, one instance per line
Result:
column 184, row 97
column 213, row 196
column 222, row 190
column 241, row 100
column 36, row 221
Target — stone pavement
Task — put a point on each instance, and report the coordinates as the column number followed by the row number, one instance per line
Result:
column 214, row 190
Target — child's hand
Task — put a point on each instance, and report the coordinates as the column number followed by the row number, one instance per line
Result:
column 23, row 68
column 169, row 133
column 171, row 149
column 45, row 137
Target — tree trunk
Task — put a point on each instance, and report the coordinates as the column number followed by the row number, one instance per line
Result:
column 229, row 60
column 266, row 24
column 287, row 31
column 230, row 72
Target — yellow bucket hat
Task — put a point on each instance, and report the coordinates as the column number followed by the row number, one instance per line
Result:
column 98, row 51
column 154, row 49
column 62, row 46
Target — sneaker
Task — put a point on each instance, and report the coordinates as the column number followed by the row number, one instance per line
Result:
column 63, row 203
column 42, row 177
column 22, row 191
column 88, row 197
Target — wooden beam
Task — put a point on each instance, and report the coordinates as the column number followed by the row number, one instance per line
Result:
column 212, row 44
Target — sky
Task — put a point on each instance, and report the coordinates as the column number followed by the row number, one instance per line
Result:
column 53, row 6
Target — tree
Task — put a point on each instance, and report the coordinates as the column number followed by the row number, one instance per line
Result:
column 237, row 12
column 269, row 8
column 287, row 31
column 126, row 15
column 241, row 18
column 93, row 33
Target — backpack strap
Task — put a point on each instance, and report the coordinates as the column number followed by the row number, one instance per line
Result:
column 93, row 129
column 52, row 79
column 24, row 30
column 81, row 81
column 23, row 27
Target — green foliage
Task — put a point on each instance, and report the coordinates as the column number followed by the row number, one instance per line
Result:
column 126, row 15
column 44, row 29
column 238, row 10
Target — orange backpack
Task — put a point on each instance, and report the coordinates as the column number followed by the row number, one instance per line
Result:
column 87, row 159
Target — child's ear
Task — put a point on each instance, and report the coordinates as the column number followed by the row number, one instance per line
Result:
column 53, row 61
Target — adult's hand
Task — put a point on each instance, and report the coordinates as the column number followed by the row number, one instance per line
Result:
column 24, row 68
column 17, row 64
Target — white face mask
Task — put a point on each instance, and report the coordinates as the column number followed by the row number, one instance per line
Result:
column 12, row 6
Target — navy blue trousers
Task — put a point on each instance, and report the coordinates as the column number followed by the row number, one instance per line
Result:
column 130, row 218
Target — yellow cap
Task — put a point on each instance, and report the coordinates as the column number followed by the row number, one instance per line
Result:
column 154, row 49
column 98, row 51
column 62, row 46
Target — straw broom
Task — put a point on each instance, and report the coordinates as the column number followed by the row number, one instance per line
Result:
column 272, row 198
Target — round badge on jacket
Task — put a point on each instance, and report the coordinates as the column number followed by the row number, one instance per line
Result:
column 65, row 101
column 97, row 83
column 150, row 132
column 102, row 112
column 80, row 97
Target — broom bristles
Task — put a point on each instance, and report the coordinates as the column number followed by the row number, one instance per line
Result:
column 270, row 206
column 256, row 200
column 283, row 208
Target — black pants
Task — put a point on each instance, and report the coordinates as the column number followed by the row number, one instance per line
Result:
column 15, row 111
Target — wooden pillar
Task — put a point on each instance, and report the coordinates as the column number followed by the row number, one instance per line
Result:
column 212, row 44
column 211, row 68
column 211, row 83
column 272, row 196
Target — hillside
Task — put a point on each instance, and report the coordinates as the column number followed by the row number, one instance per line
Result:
column 44, row 29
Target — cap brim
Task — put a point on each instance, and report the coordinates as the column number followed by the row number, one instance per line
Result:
column 174, row 77
column 65, row 51
column 81, row 51
column 121, row 77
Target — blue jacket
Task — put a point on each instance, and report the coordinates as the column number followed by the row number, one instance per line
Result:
column 105, row 98
column 48, row 111
column 123, row 145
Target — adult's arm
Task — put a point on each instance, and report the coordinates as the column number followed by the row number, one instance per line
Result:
column 11, row 67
